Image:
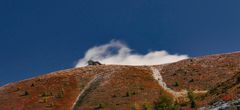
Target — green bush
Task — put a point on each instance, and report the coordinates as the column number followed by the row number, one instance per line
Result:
column 238, row 79
column 166, row 103
column 191, row 80
column 147, row 106
column 176, row 84
column 192, row 98
column 129, row 94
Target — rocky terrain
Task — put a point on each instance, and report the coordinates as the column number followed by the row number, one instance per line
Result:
column 208, row 82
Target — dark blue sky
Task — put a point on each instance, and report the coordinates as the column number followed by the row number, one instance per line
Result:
column 41, row 36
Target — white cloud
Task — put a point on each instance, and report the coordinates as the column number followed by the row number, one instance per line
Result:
column 116, row 52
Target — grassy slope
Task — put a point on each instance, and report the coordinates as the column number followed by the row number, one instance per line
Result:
column 124, row 87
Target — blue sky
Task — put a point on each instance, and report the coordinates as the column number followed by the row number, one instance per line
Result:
column 42, row 36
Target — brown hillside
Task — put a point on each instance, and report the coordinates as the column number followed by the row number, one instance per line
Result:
column 112, row 87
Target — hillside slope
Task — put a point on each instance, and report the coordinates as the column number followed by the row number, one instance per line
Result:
column 188, row 84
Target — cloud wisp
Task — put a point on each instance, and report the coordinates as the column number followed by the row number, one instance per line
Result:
column 116, row 52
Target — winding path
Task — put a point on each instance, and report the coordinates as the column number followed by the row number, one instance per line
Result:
column 157, row 76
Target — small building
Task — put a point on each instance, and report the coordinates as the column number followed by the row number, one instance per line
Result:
column 91, row 62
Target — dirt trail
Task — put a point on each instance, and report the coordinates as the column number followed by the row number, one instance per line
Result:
column 86, row 90
column 183, row 93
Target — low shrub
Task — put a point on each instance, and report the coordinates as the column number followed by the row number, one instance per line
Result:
column 166, row 103
column 176, row 84
column 192, row 98
column 147, row 106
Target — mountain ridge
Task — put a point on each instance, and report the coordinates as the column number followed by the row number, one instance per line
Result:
column 129, row 87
